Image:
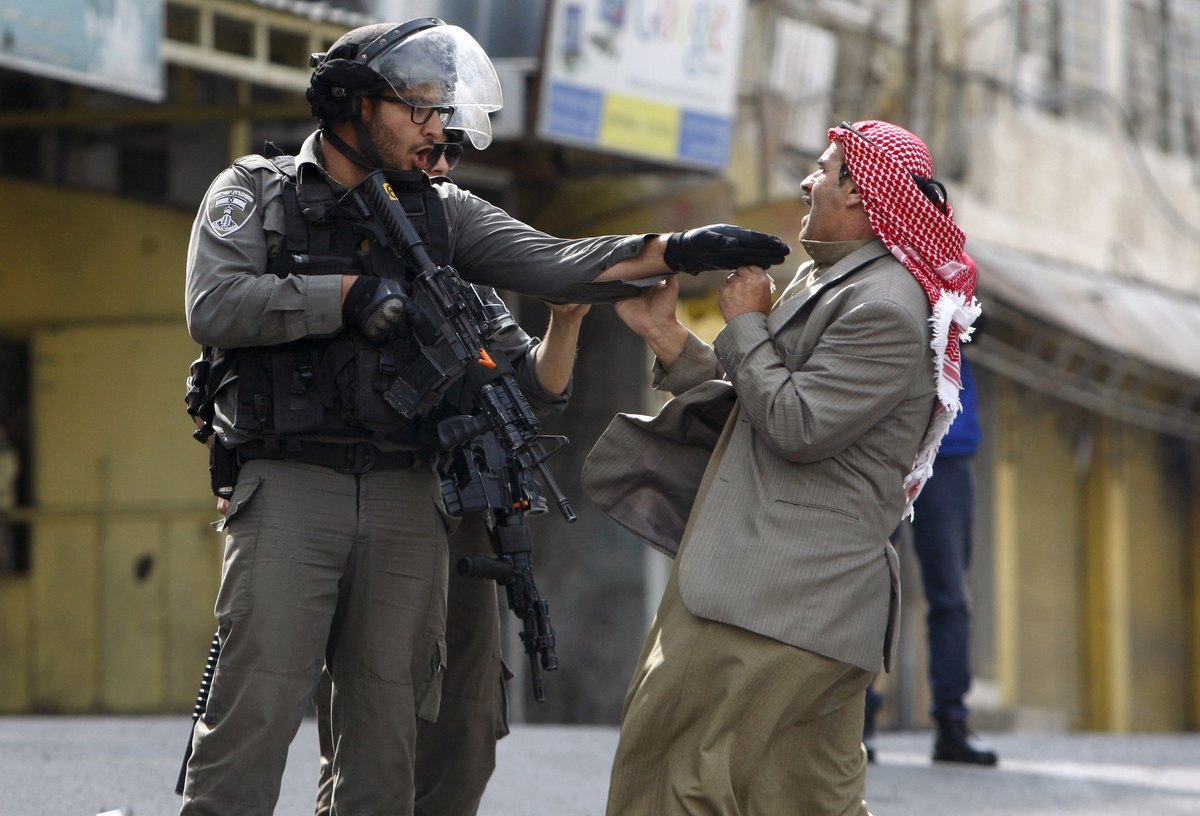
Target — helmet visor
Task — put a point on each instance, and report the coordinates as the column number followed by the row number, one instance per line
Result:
column 444, row 66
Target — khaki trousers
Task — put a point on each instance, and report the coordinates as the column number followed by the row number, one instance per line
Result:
column 456, row 755
column 322, row 567
column 720, row 721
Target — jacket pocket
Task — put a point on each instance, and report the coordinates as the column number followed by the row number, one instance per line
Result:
column 841, row 511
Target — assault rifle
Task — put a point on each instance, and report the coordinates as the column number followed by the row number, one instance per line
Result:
column 496, row 445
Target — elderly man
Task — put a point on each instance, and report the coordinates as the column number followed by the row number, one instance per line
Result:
column 804, row 432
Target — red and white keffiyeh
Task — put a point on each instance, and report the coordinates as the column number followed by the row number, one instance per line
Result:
column 882, row 159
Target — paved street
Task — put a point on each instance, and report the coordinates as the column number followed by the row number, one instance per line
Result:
column 77, row 766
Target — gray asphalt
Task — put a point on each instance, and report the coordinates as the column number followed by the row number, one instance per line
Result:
column 82, row 766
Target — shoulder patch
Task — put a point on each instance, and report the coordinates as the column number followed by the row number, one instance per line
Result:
column 228, row 209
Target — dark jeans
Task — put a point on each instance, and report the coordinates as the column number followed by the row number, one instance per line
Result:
column 942, row 540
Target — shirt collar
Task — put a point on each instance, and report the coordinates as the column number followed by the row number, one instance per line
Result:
column 309, row 160
column 826, row 253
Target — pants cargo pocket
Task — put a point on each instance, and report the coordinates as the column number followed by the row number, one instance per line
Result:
column 242, row 493
column 502, row 700
column 429, row 685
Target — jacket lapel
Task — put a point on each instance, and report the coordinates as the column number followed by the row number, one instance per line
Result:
column 860, row 258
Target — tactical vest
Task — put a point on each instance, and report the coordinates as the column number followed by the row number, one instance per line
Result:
column 334, row 386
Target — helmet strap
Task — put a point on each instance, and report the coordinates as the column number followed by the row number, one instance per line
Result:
column 371, row 161
column 364, row 141
column 339, row 144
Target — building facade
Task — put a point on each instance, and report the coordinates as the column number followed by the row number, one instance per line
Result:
column 1066, row 132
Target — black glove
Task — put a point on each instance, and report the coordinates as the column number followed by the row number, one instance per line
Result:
column 722, row 246
column 379, row 307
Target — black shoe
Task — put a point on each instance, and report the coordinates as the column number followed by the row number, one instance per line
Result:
column 955, row 743
column 869, row 744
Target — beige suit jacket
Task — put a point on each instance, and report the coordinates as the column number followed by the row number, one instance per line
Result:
column 834, row 388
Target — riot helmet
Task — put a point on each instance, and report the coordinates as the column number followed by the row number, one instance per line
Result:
column 425, row 62
column 444, row 66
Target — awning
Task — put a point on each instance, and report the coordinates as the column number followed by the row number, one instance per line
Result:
column 1120, row 348
column 1154, row 325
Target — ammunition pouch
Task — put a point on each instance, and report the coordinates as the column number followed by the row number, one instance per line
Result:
column 222, row 469
column 333, row 386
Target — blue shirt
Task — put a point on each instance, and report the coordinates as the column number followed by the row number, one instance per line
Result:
column 964, row 435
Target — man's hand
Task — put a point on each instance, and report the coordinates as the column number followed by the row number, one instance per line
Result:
column 568, row 312
column 652, row 312
column 722, row 246
column 378, row 306
column 747, row 289
column 652, row 317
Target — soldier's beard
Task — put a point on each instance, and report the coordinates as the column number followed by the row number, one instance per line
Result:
column 395, row 152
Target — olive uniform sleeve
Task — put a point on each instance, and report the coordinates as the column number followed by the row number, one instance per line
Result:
column 230, row 299
column 490, row 247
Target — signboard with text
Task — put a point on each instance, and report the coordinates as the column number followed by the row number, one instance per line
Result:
column 655, row 79
column 108, row 44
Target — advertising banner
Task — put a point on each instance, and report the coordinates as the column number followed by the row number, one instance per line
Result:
column 654, row 79
column 108, row 44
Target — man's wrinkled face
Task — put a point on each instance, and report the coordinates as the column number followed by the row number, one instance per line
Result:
column 830, row 194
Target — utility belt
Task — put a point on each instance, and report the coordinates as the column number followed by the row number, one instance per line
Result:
column 349, row 457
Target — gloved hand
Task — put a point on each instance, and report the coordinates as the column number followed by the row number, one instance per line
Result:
column 380, row 307
column 722, row 246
